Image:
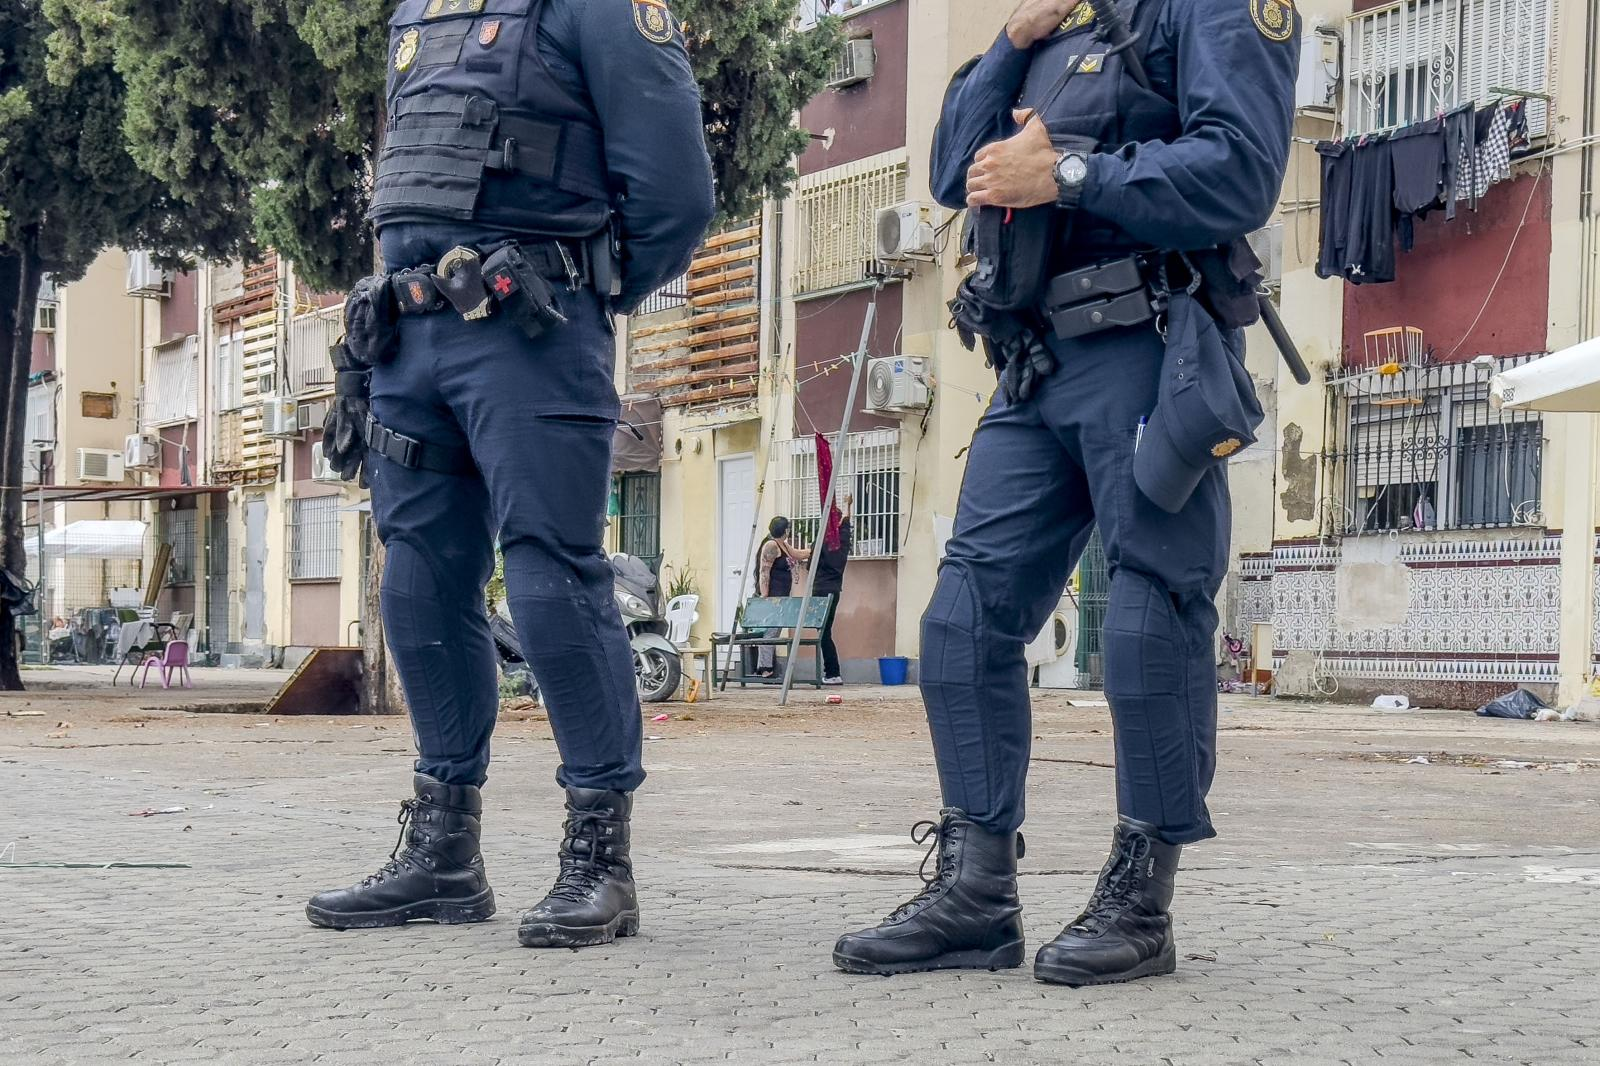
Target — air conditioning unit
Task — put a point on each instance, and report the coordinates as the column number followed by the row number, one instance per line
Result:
column 1267, row 243
column 857, row 62
column 141, row 451
column 145, row 278
column 898, row 383
column 280, row 417
column 99, row 464
column 321, row 469
column 905, row 231
column 311, row 415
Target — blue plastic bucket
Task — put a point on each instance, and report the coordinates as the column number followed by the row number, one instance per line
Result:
column 893, row 669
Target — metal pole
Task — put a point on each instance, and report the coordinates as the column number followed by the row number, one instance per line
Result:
column 41, row 599
column 833, row 488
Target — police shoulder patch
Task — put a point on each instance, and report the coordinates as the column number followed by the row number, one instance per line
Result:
column 1080, row 17
column 653, row 21
column 1274, row 18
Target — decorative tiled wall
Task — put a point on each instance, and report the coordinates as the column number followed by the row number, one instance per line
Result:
column 1254, row 606
column 1485, row 610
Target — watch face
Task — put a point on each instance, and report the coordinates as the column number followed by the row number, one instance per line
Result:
column 1073, row 169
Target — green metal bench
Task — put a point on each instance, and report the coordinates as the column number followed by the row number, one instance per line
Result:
column 760, row 616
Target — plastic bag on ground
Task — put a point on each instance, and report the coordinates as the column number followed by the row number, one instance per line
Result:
column 1518, row 703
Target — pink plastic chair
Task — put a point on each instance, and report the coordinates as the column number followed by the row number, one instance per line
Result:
column 173, row 659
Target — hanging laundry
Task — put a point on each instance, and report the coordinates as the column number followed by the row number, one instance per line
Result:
column 1419, row 166
column 1337, row 164
column 1458, row 150
column 1492, row 158
column 1369, row 256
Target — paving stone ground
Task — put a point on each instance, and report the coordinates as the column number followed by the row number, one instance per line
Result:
column 1358, row 908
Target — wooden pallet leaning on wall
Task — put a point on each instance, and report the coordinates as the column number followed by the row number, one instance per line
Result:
column 711, row 353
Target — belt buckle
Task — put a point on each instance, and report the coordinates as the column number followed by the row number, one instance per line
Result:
column 455, row 261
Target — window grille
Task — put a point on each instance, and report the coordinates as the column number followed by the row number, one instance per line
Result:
column 171, row 395
column 1415, row 59
column 310, row 337
column 639, row 516
column 1425, row 451
column 179, row 532
column 870, row 471
column 672, row 295
column 813, row 10
column 836, row 219
column 314, row 538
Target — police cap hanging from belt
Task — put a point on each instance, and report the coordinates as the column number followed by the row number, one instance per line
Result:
column 543, row 166
column 1112, row 156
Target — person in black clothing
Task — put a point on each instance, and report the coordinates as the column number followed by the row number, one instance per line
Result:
column 830, row 582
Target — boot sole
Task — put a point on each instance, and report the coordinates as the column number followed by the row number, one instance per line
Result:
column 479, row 908
column 1073, row 977
column 1006, row 957
column 549, row 935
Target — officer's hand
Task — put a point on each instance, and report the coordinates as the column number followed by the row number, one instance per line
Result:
column 1019, row 171
column 1035, row 20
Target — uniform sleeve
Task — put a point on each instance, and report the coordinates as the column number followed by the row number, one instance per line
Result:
column 1237, row 61
column 977, row 111
column 649, row 109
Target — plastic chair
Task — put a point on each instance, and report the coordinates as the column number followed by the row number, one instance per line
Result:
column 681, row 614
column 131, row 651
column 174, row 659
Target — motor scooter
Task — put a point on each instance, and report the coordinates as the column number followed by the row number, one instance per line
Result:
column 657, row 668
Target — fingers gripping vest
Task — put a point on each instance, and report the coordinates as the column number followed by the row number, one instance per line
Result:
column 478, row 127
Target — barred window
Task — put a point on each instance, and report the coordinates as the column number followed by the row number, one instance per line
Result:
column 836, row 217
column 1409, row 61
column 869, row 470
column 673, row 294
column 314, row 538
column 179, row 532
column 639, row 517
column 171, row 395
column 1425, row 451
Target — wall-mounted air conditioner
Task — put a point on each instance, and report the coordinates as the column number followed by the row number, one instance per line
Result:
column 312, row 414
column 145, row 278
column 905, row 231
column 856, row 63
column 99, row 464
column 898, row 383
column 141, row 451
column 280, row 417
column 321, row 469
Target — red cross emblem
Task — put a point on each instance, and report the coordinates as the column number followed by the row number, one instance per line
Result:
column 502, row 285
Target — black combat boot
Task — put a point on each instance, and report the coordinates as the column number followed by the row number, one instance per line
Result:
column 1125, row 932
column 967, row 916
column 593, row 901
column 438, row 875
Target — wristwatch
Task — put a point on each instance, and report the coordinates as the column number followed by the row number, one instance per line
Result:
column 1072, row 171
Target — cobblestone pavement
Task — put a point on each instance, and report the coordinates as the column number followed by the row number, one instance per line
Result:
column 1358, row 908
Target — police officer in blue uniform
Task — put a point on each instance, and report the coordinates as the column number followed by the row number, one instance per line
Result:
column 543, row 167
column 1108, row 212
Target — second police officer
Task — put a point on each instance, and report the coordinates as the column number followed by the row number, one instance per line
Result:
column 1111, row 279
column 543, row 167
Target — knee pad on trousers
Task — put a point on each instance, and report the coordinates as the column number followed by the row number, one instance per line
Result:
column 952, row 626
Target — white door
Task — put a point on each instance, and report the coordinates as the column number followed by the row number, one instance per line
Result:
column 255, row 571
column 736, row 516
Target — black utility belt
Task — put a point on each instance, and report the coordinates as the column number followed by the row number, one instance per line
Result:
column 518, row 279
column 1110, row 295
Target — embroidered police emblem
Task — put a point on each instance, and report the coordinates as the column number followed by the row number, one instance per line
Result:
column 418, row 296
column 1081, row 16
column 1274, row 18
column 653, row 21
column 405, row 53
column 1227, row 447
column 434, row 8
column 488, row 32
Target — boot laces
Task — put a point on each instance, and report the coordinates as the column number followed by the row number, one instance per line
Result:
column 1119, row 887
column 582, row 873
column 935, row 883
column 397, row 860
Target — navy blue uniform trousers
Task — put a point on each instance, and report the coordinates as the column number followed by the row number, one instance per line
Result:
column 538, row 416
column 1040, row 475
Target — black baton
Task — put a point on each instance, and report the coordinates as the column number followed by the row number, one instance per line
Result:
column 1285, row 343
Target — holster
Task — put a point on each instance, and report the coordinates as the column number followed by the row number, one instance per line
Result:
column 1231, row 276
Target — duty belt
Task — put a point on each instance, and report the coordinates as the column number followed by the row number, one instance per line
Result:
column 473, row 282
column 1117, row 293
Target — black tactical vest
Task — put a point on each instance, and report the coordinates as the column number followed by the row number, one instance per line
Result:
column 1103, row 101
column 480, row 130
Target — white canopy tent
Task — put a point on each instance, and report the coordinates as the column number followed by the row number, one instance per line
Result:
column 102, row 539
column 1567, row 380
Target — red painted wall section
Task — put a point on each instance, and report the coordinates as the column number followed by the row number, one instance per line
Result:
column 180, row 312
column 172, row 443
column 43, row 357
column 868, row 117
column 1443, row 283
column 827, row 329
